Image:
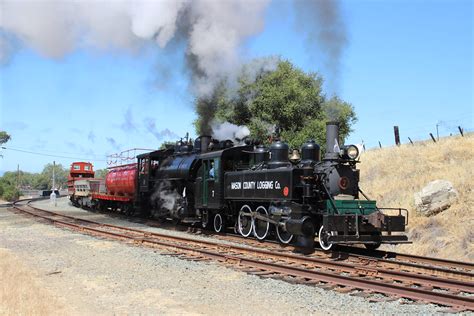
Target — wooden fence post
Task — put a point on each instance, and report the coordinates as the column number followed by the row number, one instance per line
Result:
column 397, row 135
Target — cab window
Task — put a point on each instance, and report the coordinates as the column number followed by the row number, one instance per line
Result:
column 213, row 167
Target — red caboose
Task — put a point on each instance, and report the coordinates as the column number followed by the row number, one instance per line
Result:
column 78, row 170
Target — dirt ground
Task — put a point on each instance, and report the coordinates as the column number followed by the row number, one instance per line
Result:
column 24, row 290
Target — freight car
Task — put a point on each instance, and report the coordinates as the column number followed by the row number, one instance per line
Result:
column 256, row 191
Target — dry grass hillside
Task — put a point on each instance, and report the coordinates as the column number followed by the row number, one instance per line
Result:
column 392, row 175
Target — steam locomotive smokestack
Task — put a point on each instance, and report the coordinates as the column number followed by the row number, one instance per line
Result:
column 205, row 141
column 332, row 140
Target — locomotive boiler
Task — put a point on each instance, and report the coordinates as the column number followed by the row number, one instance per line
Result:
column 257, row 191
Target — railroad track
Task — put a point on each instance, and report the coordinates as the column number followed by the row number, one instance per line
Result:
column 387, row 259
column 381, row 259
column 359, row 275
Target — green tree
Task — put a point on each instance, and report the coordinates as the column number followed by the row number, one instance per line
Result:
column 8, row 187
column 11, row 193
column 284, row 96
column 4, row 137
column 101, row 173
column 44, row 180
column 167, row 144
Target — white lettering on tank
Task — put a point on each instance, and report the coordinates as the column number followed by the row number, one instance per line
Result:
column 249, row 185
column 236, row 185
column 264, row 185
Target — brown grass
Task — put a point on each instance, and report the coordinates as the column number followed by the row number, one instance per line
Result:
column 392, row 175
column 21, row 292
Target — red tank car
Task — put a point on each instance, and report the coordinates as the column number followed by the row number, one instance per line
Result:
column 121, row 180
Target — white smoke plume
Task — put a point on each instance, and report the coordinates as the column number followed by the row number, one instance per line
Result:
column 213, row 30
column 226, row 130
column 166, row 199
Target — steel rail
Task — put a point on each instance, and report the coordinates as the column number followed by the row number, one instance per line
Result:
column 432, row 269
column 388, row 255
column 463, row 302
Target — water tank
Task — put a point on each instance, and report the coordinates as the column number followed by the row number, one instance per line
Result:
column 310, row 152
column 122, row 180
column 278, row 155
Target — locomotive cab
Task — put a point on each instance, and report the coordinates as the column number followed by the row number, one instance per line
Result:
column 209, row 186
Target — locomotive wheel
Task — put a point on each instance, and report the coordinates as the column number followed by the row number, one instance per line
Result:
column 218, row 223
column 244, row 221
column 372, row 247
column 323, row 237
column 260, row 227
column 129, row 210
column 283, row 236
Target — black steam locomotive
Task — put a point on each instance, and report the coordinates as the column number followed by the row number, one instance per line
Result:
column 259, row 191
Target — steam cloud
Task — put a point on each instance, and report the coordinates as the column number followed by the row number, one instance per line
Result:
column 213, row 30
column 226, row 130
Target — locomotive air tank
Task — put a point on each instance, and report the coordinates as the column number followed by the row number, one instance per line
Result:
column 122, row 180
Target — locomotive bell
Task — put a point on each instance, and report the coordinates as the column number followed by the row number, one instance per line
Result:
column 295, row 156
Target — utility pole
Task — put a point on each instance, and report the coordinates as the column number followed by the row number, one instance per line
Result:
column 437, row 132
column 54, row 167
column 18, row 177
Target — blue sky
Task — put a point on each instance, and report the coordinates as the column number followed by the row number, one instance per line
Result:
column 408, row 63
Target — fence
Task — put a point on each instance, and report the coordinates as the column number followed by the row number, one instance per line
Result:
column 396, row 133
column 38, row 193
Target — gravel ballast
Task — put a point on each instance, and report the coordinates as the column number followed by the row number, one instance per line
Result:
column 108, row 277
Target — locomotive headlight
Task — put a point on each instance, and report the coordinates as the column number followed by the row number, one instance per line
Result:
column 350, row 152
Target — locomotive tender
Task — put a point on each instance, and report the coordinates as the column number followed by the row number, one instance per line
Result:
column 254, row 190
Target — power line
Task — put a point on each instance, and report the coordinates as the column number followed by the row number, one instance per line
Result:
column 59, row 152
column 48, row 155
